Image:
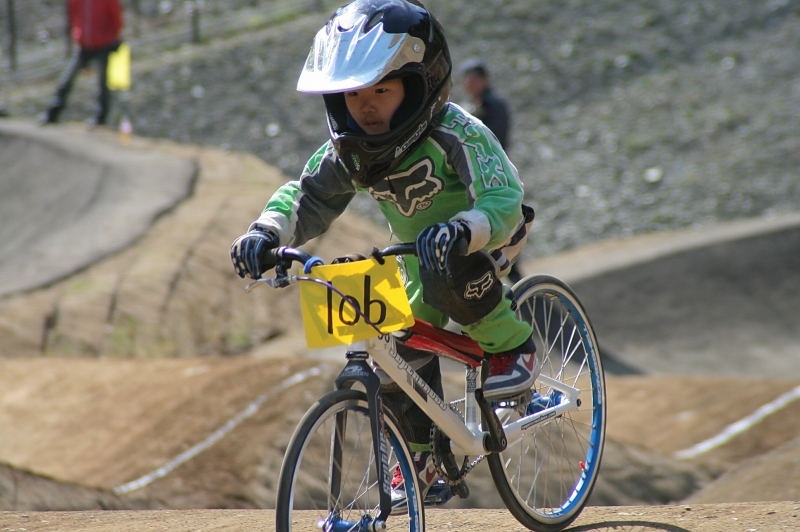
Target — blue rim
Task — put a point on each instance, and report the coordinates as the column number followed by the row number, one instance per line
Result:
column 579, row 492
column 409, row 471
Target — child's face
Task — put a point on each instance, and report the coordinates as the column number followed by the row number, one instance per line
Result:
column 373, row 107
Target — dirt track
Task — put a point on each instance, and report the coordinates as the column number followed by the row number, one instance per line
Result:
column 105, row 413
column 753, row 517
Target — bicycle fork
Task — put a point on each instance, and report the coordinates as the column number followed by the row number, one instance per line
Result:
column 358, row 370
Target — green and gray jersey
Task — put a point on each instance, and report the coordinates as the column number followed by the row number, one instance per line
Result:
column 460, row 172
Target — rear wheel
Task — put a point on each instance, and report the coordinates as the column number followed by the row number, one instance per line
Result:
column 545, row 479
column 329, row 476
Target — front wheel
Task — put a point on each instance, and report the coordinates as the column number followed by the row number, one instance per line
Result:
column 546, row 477
column 329, row 478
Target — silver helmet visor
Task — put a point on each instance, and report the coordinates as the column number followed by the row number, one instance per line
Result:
column 351, row 59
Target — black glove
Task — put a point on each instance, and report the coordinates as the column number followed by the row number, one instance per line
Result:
column 249, row 253
column 438, row 244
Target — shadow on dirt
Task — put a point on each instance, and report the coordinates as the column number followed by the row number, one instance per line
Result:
column 627, row 526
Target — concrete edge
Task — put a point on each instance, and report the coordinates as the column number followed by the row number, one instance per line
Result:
column 146, row 185
column 618, row 254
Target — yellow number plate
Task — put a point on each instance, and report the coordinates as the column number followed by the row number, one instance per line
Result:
column 376, row 289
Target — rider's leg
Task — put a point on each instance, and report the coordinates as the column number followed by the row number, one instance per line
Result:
column 471, row 295
column 416, row 428
column 413, row 422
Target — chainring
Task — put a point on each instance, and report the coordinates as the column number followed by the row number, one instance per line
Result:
column 439, row 456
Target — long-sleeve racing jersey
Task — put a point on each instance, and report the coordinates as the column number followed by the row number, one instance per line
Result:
column 460, row 172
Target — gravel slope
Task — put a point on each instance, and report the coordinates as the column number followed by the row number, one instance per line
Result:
column 630, row 117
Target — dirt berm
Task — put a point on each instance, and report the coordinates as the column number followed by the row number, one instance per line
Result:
column 149, row 380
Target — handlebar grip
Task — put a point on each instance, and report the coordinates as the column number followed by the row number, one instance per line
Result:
column 272, row 255
column 406, row 248
column 286, row 253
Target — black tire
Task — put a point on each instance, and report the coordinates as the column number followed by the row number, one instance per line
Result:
column 305, row 496
column 545, row 479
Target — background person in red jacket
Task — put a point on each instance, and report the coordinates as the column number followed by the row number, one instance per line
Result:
column 95, row 26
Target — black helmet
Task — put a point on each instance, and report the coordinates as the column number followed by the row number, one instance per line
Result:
column 363, row 43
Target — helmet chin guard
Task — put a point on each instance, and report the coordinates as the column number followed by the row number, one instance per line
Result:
column 363, row 43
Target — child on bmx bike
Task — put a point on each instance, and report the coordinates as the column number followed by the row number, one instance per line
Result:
column 441, row 179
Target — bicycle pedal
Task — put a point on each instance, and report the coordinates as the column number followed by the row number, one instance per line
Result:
column 513, row 402
column 438, row 494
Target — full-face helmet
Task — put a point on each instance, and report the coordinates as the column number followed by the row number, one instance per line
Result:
column 363, row 43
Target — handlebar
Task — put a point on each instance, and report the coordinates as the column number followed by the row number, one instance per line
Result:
column 406, row 248
column 288, row 254
column 285, row 255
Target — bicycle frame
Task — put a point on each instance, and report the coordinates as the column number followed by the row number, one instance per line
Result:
column 485, row 428
column 467, row 437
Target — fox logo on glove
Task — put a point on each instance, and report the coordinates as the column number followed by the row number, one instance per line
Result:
column 478, row 288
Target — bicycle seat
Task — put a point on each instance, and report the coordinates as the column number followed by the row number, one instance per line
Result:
column 428, row 337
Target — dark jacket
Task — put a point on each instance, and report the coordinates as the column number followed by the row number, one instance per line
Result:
column 494, row 113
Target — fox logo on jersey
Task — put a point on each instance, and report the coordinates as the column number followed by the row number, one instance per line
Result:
column 478, row 288
column 410, row 190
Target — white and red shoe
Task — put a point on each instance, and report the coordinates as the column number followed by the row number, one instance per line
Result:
column 510, row 374
column 428, row 476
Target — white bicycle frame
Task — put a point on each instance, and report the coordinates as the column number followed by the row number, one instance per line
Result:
column 467, row 437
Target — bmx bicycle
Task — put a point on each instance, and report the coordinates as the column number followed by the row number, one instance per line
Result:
column 543, row 448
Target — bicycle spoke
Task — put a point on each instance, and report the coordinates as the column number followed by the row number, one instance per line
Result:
column 569, row 351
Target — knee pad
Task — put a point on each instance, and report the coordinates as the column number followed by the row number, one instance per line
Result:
column 470, row 290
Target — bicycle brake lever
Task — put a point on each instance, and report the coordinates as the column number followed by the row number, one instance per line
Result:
column 279, row 282
column 254, row 284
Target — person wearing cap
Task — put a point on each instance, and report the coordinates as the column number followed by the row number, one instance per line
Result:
column 484, row 104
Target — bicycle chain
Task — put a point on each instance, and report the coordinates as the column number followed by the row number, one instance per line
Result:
column 464, row 470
